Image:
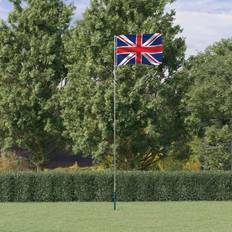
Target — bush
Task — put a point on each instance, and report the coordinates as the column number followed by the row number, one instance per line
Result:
column 10, row 161
column 131, row 186
column 84, row 186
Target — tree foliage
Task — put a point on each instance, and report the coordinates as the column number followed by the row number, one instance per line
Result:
column 209, row 104
column 31, row 66
column 161, row 111
column 149, row 119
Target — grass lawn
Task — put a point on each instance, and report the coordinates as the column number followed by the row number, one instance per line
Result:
column 130, row 217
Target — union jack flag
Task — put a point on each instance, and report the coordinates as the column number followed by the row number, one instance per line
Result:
column 139, row 49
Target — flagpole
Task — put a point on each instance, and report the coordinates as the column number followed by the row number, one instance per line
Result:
column 114, row 148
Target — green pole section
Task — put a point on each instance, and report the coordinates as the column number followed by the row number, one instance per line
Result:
column 114, row 150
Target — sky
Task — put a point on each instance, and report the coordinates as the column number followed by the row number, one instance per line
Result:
column 203, row 21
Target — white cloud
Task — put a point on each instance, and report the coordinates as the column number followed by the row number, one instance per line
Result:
column 203, row 29
column 203, row 21
column 3, row 13
column 206, row 6
column 4, row 9
column 81, row 6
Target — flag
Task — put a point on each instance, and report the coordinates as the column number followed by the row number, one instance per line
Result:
column 139, row 49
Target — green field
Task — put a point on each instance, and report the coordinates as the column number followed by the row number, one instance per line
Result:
column 130, row 217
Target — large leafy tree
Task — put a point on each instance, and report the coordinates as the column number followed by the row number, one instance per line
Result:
column 148, row 98
column 209, row 104
column 31, row 66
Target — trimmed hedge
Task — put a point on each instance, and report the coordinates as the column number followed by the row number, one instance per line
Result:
column 131, row 186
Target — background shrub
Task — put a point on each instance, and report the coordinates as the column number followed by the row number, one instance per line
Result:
column 84, row 186
column 131, row 186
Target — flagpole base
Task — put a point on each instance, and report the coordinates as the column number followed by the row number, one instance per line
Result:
column 115, row 200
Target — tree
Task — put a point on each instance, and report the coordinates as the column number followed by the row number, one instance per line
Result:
column 146, row 115
column 209, row 105
column 147, row 97
column 32, row 63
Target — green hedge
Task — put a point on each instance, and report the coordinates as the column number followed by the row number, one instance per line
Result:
column 131, row 186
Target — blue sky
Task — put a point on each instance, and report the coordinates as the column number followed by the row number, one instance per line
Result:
column 203, row 21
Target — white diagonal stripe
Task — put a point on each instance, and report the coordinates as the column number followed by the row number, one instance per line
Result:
column 151, row 59
column 127, row 59
column 124, row 39
column 152, row 39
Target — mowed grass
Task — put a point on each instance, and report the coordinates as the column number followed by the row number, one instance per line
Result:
column 130, row 217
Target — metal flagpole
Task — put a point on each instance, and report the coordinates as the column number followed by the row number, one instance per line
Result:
column 114, row 149
column 231, row 155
